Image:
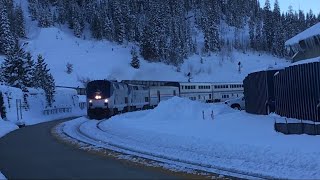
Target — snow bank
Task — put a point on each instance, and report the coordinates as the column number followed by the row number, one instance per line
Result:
column 5, row 128
column 2, row 176
column 312, row 31
column 232, row 139
column 17, row 113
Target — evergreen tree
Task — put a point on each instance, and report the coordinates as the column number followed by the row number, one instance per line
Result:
column 118, row 22
column 13, row 68
column 2, row 107
column 7, row 40
column 19, row 24
column 44, row 80
column 135, row 62
column 268, row 26
column 278, row 43
column 33, row 9
column 14, row 72
column 29, row 70
column 45, row 18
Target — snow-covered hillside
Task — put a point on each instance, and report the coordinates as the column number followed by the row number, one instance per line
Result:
column 101, row 59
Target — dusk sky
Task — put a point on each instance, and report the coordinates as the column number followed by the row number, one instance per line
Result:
column 304, row 5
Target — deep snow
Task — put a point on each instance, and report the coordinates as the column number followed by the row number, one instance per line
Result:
column 2, row 176
column 6, row 127
column 232, row 139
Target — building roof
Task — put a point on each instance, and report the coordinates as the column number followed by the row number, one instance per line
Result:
column 310, row 32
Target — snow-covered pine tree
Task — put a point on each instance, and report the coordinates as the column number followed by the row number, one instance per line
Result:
column 135, row 62
column 268, row 26
column 33, row 6
column 13, row 68
column 29, row 70
column 77, row 21
column 118, row 21
column 44, row 80
column 252, row 33
column 7, row 40
column 45, row 18
column 96, row 27
column 14, row 72
column 19, row 24
column 278, row 43
column 107, row 28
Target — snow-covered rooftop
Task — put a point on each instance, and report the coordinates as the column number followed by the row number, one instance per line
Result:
column 312, row 31
column 317, row 59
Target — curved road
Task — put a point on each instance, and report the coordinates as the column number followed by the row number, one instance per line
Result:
column 33, row 153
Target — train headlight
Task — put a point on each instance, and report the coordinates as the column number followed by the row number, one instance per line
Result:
column 106, row 100
column 97, row 97
column 90, row 101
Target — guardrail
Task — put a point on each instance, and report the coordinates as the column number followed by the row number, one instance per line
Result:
column 57, row 110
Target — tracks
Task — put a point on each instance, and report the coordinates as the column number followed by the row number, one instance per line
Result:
column 82, row 137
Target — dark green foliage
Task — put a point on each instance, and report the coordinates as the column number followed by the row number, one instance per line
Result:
column 44, row 80
column 7, row 40
column 163, row 28
column 2, row 107
column 135, row 63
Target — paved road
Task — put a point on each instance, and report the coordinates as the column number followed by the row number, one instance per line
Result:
column 32, row 153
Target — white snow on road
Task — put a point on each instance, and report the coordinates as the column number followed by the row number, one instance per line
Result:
column 232, row 140
column 6, row 127
column 2, row 176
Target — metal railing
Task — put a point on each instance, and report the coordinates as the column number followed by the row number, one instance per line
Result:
column 57, row 110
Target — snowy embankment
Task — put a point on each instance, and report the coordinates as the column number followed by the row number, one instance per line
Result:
column 66, row 104
column 2, row 176
column 6, row 127
column 232, row 140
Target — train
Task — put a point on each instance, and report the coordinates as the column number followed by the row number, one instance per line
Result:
column 106, row 98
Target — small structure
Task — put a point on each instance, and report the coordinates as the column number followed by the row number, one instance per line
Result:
column 305, row 45
column 259, row 92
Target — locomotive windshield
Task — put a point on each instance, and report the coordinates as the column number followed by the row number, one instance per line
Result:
column 98, row 87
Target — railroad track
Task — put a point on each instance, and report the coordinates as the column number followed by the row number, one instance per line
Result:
column 98, row 143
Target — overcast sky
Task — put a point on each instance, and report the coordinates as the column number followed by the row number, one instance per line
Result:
column 304, row 5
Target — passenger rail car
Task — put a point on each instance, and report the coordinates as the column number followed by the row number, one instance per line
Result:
column 208, row 92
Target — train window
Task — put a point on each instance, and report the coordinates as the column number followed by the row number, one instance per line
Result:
column 174, row 92
column 146, row 99
column 181, row 87
column 209, row 96
column 215, row 86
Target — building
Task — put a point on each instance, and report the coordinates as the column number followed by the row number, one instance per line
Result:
column 305, row 45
